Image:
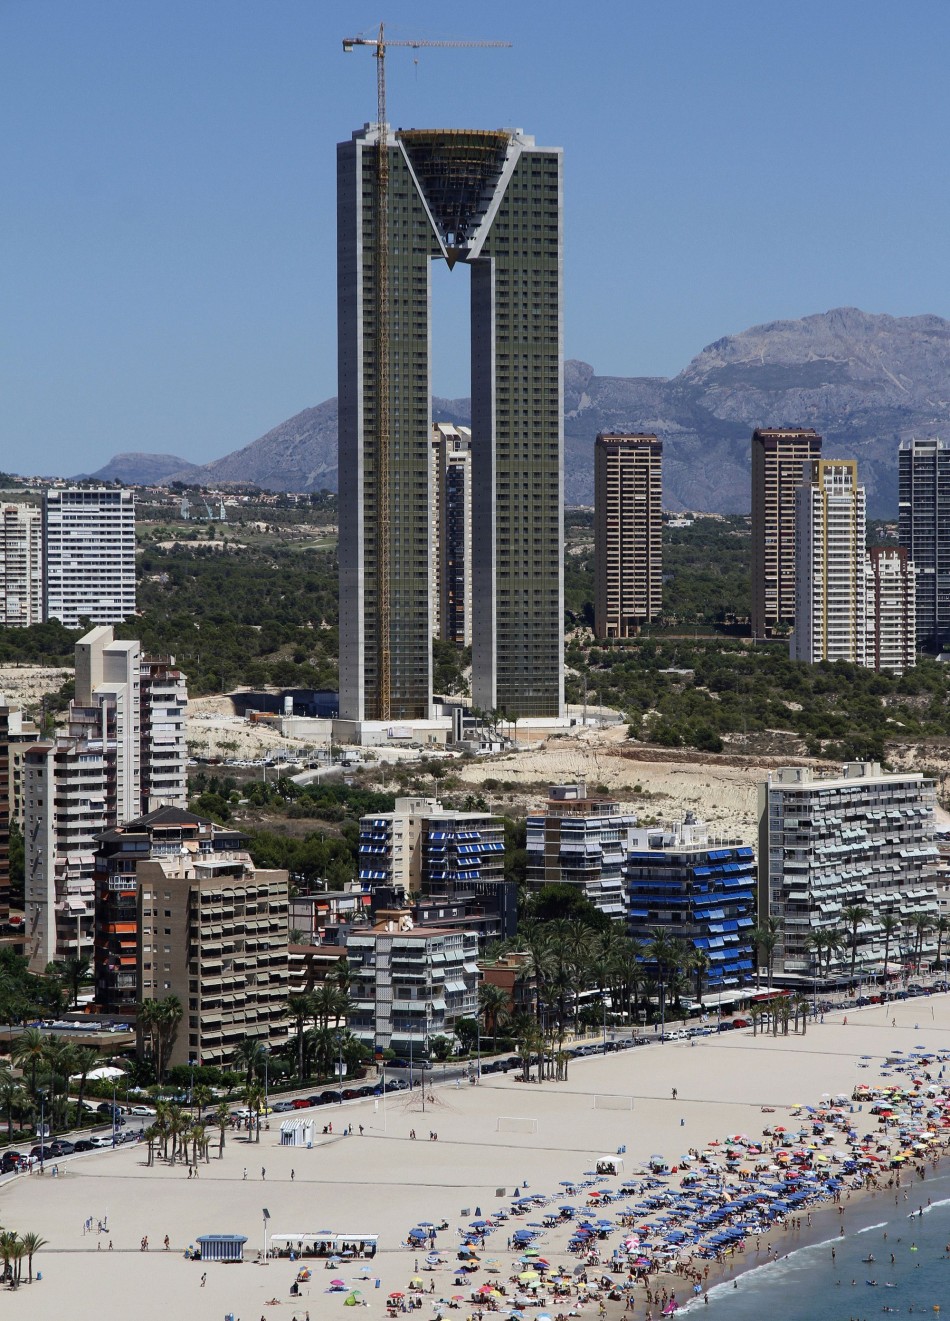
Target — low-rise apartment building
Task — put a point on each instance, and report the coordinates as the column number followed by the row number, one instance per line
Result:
column 410, row 984
column 581, row 840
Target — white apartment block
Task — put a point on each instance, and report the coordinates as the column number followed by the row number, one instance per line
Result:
column 863, row 838
column 410, row 985
column 164, row 703
column 21, row 566
column 89, row 552
column 891, row 612
column 83, row 782
column 423, row 847
column 830, row 564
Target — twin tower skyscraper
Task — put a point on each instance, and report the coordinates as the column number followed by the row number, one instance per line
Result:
column 493, row 201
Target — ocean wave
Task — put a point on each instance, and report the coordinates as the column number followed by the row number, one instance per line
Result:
column 883, row 1224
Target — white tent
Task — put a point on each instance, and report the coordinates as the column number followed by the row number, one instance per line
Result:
column 105, row 1071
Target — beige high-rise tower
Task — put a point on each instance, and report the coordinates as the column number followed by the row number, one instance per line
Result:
column 628, row 532
column 779, row 459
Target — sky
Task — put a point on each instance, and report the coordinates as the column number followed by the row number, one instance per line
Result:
column 167, row 175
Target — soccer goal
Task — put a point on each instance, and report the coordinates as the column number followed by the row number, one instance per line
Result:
column 516, row 1124
column 605, row 1102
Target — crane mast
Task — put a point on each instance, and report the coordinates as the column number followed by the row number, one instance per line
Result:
column 382, row 447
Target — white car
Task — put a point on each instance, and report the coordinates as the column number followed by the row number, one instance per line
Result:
column 101, row 1141
column 142, row 1110
column 679, row 1035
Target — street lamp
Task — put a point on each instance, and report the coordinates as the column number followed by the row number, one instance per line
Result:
column 266, row 1215
column 113, row 1113
column 191, row 1085
column 339, row 1047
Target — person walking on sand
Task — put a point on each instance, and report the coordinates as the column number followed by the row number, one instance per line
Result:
column 292, row 1176
column 674, row 1093
column 263, row 1173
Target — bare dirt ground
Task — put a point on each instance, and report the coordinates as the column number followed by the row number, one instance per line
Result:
column 25, row 685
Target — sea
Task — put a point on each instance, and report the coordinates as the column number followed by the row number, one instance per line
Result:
column 808, row 1285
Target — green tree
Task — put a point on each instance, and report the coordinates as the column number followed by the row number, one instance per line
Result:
column 854, row 915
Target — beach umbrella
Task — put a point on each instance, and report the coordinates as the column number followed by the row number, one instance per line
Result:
column 338, row 1284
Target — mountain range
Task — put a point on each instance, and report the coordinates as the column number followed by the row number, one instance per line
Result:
column 865, row 381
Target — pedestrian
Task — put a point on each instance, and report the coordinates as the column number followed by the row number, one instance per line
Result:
column 245, row 1171
column 674, row 1093
column 292, row 1176
column 204, row 1279
column 167, row 1242
column 263, row 1173
column 110, row 1244
column 361, row 1130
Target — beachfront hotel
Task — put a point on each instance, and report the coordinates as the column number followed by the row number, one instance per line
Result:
column 698, row 889
column 861, row 837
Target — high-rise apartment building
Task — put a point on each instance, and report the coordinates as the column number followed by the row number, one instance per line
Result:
column 167, row 832
column 4, row 816
column 490, row 200
column 698, row 889
column 924, row 532
column 890, row 579
column 779, row 460
column 89, row 555
column 21, row 566
column 214, row 932
column 830, row 556
column 452, row 533
column 861, row 838
column 581, row 840
column 164, row 705
column 628, row 533
column 79, row 784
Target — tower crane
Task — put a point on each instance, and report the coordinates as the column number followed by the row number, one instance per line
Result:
column 379, row 45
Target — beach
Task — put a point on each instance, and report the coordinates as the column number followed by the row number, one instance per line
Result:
column 385, row 1183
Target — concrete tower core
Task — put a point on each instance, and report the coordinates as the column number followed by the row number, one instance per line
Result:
column 490, row 199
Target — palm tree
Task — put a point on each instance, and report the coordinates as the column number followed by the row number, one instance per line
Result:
column 201, row 1096
column 222, row 1118
column 254, row 1100
column 921, row 923
column 29, row 1051
column 801, row 1009
column 8, row 1241
column 17, row 1253
column 755, row 1013
column 835, row 941
column 31, row 1245
column 152, row 1135
column 661, row 952
column 301, row 1006
column 493, row 1006
column 75, row 972
column 700, row 963
column 854, row 915
column 86, row 1059
column 170, row 1011
column 765, row 937
column 249, row 1055
column 13, row 1098
column 890, row 925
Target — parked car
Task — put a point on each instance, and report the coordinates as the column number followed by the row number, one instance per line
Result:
column 144, row 1111
column 62, row 1147
column 101, row 1141
column 84, row 1144
column 301, row 1103
column 10, row 1161
column 741, row 1022
column 281, row 1107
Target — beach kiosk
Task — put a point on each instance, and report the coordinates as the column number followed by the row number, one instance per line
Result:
column 222, row 1247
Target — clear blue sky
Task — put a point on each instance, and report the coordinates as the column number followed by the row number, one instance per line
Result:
column 167, row 217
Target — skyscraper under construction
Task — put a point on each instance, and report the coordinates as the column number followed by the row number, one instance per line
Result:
column 491, row 200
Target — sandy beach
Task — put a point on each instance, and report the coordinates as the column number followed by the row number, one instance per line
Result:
column 384, row 1183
